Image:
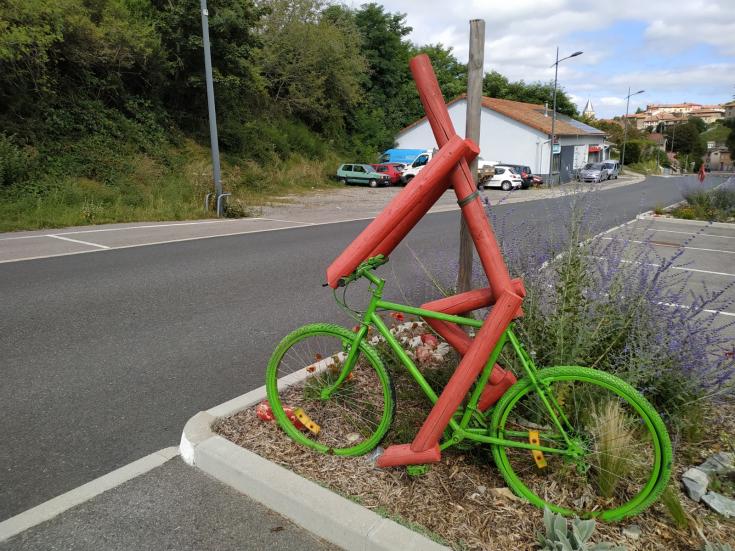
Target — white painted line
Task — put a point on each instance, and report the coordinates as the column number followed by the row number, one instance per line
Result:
column 166, row 225
column 78, row 241
column 54, row 507
column 153, row 243
column 681, row 268
column 286, row 221
column 696, row 234
column 673, row 245
column 685, row 307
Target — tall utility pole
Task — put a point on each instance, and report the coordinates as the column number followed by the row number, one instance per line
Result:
column 625, row 124
column 210, row 105
column 553, row 111
column 475, row 66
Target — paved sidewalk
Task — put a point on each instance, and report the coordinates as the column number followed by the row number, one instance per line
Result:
column 171, row 507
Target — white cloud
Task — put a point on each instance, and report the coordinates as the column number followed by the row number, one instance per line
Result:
column 522, row 35
column 611, row 101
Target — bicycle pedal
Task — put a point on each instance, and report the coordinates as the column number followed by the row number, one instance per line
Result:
column 538, row 455
column 305, row 420
column 417, row 470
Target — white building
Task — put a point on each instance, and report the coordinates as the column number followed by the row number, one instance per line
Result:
column 518, row 133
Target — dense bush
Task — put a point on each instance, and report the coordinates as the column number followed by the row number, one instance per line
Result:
column 714, row 204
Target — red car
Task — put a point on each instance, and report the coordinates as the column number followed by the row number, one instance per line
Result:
column 391, row 170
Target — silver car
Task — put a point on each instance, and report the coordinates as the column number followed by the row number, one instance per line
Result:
column 613, row 169
column 594, row 172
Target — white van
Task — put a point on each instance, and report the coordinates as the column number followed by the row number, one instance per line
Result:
column 415, row 167
column 422, row 159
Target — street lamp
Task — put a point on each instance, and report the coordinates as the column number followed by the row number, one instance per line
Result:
column 553, row 110
column 625, row 126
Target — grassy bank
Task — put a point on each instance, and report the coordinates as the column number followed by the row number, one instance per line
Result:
column 168, row 185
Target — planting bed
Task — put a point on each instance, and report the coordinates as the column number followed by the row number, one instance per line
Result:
column 463, row 501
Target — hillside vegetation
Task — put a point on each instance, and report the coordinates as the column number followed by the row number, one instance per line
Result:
column 103, row 107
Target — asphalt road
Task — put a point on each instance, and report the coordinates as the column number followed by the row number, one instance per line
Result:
column 105, row 356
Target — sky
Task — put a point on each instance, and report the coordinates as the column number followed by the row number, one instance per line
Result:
column 675, row 50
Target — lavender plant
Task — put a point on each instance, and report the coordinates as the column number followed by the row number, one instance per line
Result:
column 613, row 303
column 610, row 302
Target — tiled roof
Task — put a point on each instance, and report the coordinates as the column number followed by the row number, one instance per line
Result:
column 530, row 114
column 672, row 105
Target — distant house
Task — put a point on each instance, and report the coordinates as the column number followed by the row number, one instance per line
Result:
column 729, row 110
column 519, row 133
column 669, row 114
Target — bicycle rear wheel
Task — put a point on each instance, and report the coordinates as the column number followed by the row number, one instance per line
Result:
column 353, row 418
column 619, row 453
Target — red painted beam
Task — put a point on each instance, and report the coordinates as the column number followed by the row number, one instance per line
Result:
column 426, row 201
column 432, row 176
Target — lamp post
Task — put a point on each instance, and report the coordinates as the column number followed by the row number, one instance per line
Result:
column 553, row 110
column 625, row 126
column 210, row 107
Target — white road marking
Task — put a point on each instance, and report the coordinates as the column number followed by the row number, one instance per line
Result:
column 78, row 241
column 674, row 305
column 286, row 221
column 682, row 268
column 132, row 246
column 196, row 223
column 54, row 507
column 673, row 245
column 697, row 234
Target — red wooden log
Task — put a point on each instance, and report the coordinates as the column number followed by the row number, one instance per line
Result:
column 462, row 181
column 420, row 209
column 434, row 174
column 467, row 371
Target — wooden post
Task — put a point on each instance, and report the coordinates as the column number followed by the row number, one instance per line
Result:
column 472, row 131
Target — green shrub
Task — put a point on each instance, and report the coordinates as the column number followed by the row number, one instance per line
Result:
column 15, row 162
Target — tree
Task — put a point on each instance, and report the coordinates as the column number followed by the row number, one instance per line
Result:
column 312, row 63
column 686, row 139
column 699, row 124
column 233, row 33
column 496, row 85
column 730, row 141
column 390, row 101
column 56, row 52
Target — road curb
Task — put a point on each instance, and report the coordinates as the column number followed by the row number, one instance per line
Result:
column 311, row 506
column 55, row 506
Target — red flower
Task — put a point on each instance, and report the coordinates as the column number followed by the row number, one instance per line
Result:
column 398, row 316
column 430, row 340
column 264, row 412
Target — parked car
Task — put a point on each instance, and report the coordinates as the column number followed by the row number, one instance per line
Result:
column 613, row 168
column 593, row 172
column 415, row 167
column 358, row 173
column 391, row 169
column 505, row 178
column 526, row 175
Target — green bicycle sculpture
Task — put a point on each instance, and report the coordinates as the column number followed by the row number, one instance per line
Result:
column 574, row 439
column 337, row 379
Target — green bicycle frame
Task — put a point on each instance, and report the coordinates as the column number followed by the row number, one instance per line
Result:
column 458, row 430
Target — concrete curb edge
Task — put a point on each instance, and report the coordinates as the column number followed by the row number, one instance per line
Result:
column 311, row 506
column 59, row 504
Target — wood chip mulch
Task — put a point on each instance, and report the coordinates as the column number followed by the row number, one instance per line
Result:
column 463, row 502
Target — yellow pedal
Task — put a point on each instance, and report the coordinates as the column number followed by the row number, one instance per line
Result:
column 305, row 420
column 538, row 455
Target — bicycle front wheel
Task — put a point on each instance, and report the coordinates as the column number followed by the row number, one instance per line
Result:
column 350, row 418
column 612, row 454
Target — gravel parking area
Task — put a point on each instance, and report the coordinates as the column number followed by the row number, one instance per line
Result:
column 353, row 202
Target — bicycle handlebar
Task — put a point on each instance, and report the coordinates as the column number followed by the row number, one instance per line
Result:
column 365, row 266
